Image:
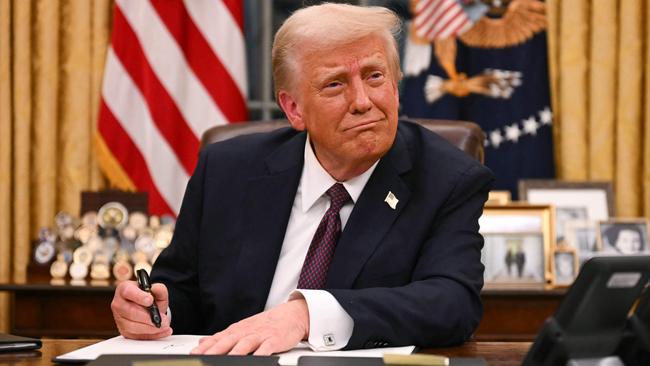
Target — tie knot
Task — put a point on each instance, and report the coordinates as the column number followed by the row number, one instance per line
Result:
column 339, row 196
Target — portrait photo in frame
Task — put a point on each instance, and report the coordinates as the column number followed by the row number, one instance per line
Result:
column 593, row 201
column 581, row 235
column 518, row 239
column 565, row 266
column 623, row 236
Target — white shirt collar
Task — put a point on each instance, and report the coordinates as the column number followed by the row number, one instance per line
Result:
column 315, row 180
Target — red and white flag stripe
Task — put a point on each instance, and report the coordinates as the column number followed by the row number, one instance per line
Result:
column 173, row 70
column 439, row 19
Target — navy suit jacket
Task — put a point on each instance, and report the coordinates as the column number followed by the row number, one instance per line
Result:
column 409, row 275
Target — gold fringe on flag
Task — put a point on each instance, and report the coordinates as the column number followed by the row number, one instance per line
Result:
column 111, row 167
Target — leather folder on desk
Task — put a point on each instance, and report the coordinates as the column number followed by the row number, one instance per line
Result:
column 179, row 360
column 375, row 361
column 10, row 343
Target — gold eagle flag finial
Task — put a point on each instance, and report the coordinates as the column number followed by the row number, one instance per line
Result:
column 498, row 24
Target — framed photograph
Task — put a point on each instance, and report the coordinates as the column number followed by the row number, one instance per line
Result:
column 592, row 201
column 517, row 242
column 623, row 236
column 565, row 266
column 581, row 235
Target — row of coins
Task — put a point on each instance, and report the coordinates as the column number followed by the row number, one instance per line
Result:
column 98, row 265
column 100, row 269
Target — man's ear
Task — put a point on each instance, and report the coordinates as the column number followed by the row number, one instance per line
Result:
column 290, row 108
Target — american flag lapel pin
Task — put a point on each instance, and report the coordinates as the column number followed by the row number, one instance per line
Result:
column 391, row 200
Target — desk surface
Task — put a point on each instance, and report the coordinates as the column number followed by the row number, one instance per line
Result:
column 495, row 353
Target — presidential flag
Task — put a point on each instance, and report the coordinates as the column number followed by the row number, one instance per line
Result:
column 493, row 72
column 174, row 69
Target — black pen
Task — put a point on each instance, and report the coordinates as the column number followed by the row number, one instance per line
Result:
column 145, row 285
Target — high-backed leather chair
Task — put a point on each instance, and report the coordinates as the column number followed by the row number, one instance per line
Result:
column 467, row 136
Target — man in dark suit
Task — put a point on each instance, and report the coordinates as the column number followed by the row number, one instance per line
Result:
column 349, row 230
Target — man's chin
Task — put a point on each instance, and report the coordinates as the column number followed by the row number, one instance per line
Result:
column 371, row 150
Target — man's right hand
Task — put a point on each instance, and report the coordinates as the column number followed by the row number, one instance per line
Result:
column 130, row 311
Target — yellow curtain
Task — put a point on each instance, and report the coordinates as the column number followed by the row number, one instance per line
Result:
column 52, row 56
column 600, row 80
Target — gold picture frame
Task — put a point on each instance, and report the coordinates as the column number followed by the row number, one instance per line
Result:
column 518, row 240
column 499, row 198
column 618, row 236
column 565, row 266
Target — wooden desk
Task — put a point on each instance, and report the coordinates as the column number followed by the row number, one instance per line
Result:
column 45, row 309
column 516, row 314
column 61, row 309
column 495, row 353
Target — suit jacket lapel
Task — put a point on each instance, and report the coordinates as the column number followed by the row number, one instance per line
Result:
column 371, row 217
column 267, row 208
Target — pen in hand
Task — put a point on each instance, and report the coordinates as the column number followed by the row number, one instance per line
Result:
column 145, row 285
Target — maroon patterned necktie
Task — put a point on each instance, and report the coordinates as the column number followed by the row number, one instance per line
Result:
column 317, row 262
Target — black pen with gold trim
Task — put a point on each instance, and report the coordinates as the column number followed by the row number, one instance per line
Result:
column 145, row 285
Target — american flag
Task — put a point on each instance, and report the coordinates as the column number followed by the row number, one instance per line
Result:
column 174, row 69
column 439, row 19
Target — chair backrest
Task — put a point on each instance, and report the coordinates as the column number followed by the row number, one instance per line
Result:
column 467, row 136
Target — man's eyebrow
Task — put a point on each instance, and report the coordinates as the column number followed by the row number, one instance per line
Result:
column 332, row 73
column 373, row 63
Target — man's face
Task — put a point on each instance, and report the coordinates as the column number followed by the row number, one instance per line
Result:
column 628, row 242
column 347, row 99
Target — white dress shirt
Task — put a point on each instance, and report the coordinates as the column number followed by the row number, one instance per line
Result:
column 330, row 326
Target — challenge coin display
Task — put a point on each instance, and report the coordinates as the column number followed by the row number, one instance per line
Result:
column 129, row 232
column 84, row 233
column 83, row 255
column 63, row 219
column 138, row 256
column 89, row 219
column 100, row 271
column 154, row 222
column 59, row 268
column 66, row 233
column 44, row 252
column 111, row 245
column 112, row 215
column 122, row 270
column 146, row 244
column 111, row 242
column 95, row 243
column 138, row 221
column 78, row 271
column 47, row 234
column 163, row 238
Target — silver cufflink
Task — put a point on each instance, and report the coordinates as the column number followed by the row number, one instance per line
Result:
column 329, row 339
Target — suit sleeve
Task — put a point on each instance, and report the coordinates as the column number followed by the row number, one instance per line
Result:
column 176, row 266
column 441, row 305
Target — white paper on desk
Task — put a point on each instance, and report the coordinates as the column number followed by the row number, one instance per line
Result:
column 172, row 345
column 183, row 344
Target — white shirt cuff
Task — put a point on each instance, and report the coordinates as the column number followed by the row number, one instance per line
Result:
column 330, row 326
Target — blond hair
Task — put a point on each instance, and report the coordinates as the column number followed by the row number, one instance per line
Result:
column 327, row 25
